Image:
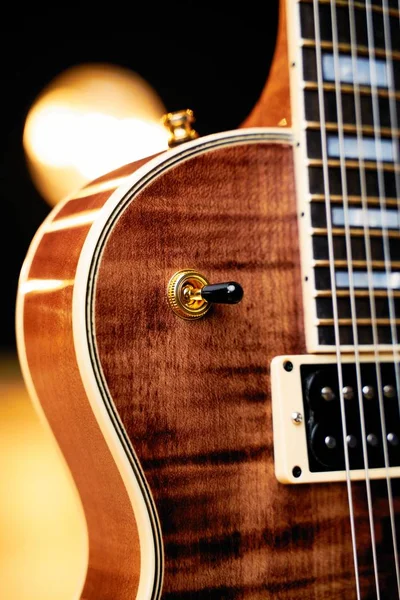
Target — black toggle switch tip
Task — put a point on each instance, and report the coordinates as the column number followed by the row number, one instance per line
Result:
column 223, row 293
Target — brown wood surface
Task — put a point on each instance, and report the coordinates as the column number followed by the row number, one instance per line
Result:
column 195, row 398
column 114, row 553
column 273, row 107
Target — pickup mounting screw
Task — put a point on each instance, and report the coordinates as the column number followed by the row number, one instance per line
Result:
column 297, row 418
column 296, row 472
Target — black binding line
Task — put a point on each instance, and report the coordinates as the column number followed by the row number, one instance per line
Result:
column 253, row 137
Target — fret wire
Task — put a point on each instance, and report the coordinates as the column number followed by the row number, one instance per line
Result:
column 334, row 299
column 337, row 199
column 351, row 164
column 339, row 231
column 379, row 264
column 360, row 321
column 363, row 50
column 392, row 307
column 357, row 293
column 394, row 124
column 393, row 12
column 349, row 128
column 346, row 88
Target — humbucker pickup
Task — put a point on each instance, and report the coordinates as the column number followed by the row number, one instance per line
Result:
column 319, row 409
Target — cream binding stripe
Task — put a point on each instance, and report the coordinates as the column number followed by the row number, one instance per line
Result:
column 297, row 86
column 92, row 376
column 128, row 472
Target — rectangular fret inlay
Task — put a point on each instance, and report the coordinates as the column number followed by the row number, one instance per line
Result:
column 366, row 72
column 373, row 217
column 367, row 149
column 380, row 279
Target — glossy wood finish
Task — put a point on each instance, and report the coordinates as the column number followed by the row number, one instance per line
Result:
column 273, row 107
column 195, row 397
column 114, row 553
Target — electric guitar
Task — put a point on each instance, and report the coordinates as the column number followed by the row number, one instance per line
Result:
column 213, row 336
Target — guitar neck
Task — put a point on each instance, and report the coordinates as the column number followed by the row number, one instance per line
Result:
column 342, row 76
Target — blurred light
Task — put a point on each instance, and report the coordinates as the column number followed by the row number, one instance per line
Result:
column 43, row 535
column 90, row 120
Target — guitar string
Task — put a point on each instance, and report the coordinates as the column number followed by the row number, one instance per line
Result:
column 392, row 307
column 343, row 177
column 372, row 303
column 395, row 145
column 394, row 128
column 321, row 103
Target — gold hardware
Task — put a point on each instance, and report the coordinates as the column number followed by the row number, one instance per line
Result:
column 184, row 296
column 179, row 125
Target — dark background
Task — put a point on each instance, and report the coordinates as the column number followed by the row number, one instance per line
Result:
column 212, row 58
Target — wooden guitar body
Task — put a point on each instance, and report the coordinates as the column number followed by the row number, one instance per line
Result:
column 166, row 424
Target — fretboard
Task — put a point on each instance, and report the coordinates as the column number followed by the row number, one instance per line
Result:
column 346, row 88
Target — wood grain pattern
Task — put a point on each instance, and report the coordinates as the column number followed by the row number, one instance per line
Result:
column 114, row 552
column 273, row 107
column 195, row 397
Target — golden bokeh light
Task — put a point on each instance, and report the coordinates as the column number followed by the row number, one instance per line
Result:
column 89, row 120
column 43, row 534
